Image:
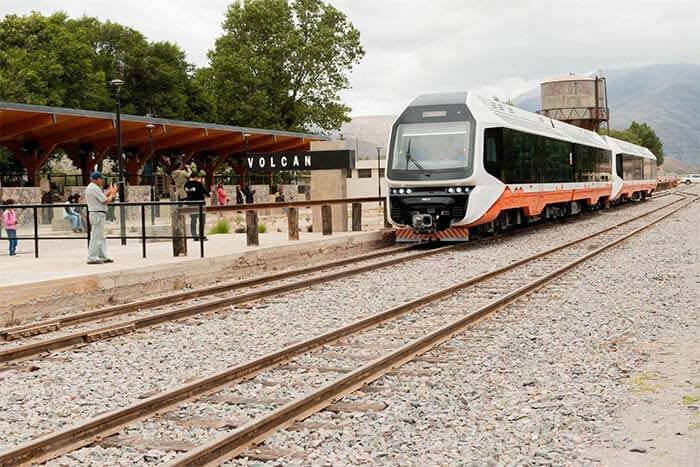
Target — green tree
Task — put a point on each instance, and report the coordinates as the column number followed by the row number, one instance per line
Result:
column 44, row 62
column 281, row 64
column 642, row 135
column 58, row 61
column 157, row 77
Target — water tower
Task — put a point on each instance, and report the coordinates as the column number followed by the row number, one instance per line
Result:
column 580, row 100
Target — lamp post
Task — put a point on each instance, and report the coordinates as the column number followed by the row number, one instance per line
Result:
column 246, row 137
column 154, row 166
column 379, row 172
column 117, row 84
column 357, row 142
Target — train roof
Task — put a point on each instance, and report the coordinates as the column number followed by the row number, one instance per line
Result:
column 440, row 98
column 624, row 147
column 495, row 113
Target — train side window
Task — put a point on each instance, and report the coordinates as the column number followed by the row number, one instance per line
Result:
column 618, row 164
column 491, row 155
column 493, row 160
column 521, row 161
column 557, row 161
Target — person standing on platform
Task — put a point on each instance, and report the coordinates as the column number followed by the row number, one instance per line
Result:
column 180, row 178
column 249, row 195
column 9, row 221
column 97, row 201
column 221, row 195
column 239, row 195
column 196, row 192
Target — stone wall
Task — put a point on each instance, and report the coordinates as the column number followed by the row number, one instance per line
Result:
column 262, row 193
column 22, row 195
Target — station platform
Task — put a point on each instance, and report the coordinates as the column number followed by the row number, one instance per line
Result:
column 60, row 279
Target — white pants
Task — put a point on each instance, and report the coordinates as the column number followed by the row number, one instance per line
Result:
column 97, row 249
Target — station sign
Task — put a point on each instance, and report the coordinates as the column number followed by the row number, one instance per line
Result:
column 300, row 160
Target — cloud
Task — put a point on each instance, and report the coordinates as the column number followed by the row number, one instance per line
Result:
column 493, row 47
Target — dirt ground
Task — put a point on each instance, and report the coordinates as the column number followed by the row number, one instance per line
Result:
column 660, row 423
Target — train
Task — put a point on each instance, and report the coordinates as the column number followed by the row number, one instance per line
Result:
column 460, row 166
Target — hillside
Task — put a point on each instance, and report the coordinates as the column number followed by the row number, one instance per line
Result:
column 664, row 96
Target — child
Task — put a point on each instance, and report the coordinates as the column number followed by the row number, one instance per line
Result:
column 9, row 220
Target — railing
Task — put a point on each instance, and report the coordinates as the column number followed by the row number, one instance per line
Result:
column 193, row 206
column 292, row 208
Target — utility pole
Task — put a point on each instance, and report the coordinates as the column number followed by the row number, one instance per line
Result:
column 117, row 84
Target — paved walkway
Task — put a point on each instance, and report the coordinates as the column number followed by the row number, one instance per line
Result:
column 67, row 258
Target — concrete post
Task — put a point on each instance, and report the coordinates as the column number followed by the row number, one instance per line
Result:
column 327, row 219
column 251, row 228
column 356, row 217
column 329, row 184
column 293, row 223
column 179, row 231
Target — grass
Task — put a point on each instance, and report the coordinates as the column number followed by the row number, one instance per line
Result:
column 641, row 383
column 691, row 400
column 222, row 226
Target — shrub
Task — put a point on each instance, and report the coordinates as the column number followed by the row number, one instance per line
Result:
column 222, row 226
column 262, row 228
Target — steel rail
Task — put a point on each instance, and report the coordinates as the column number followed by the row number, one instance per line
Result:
column 54, row 444
column 124, row 327
column 50, row 325
column 15, row 332
column 230, row 445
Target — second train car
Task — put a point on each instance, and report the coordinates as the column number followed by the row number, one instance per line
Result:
column 460, row 164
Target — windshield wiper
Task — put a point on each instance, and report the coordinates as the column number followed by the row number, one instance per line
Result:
column 409, row 157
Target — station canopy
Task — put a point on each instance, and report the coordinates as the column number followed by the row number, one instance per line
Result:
column 33, row 132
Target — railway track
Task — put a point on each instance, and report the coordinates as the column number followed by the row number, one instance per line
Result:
column 20, row 342
column 374, row 345
column 150, row 312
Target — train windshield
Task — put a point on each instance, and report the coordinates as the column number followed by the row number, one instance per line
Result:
column 423, row 147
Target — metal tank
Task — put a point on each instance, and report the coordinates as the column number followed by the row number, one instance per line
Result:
column 580, row 100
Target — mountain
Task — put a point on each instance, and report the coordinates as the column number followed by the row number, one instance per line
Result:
column 667, row 97
column 372, row 131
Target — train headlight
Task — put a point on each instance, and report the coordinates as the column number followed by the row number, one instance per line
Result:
column 401, row 191
column 408, row 191
column 458, row 189
column 450, row 190
column 466, row 190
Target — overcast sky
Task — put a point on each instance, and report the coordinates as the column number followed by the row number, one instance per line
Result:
column 415, row 46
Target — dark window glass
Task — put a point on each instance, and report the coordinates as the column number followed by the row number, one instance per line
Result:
column 381, row 173
column 604, row 165
column 491, row 155
column 493, row 152
column 521, row 164
column 364, row 173
column 585, row 163
column 557, row 161
column 619, row 166
column 348, row 173
column 592, row 164
column 633, row 167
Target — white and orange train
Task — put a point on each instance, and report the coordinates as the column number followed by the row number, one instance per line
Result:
column 460, row 164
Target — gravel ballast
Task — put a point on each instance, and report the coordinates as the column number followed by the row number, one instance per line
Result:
column 46, row 394
column 541, row 383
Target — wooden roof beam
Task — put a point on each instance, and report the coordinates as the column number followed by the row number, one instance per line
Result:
column 190, row 136
column 35, row 122
column 214, row 143
column 73, row 134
